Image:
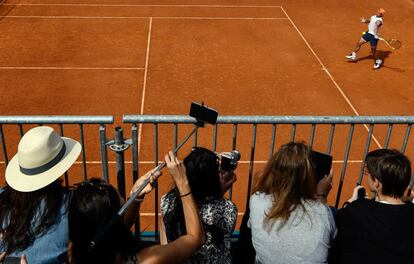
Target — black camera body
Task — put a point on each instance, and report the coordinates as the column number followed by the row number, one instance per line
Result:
column 229, row 160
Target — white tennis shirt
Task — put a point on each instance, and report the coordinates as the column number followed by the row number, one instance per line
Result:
column 371, row 26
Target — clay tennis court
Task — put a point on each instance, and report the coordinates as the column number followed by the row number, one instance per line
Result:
column 107, row 57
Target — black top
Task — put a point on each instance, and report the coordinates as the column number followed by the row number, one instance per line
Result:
column 374, row 232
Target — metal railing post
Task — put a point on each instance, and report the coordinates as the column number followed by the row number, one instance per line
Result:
column 3, row 146
column 104, row 153
column 119, row 146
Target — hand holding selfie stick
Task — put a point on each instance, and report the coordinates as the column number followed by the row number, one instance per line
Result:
column 153, row 177
column 202, row 114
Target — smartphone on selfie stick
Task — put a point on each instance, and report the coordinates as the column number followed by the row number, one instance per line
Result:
column 202, row 114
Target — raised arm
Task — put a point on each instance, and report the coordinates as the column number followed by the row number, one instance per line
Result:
column 182, row 248
column 132, row 211
column 363, row 20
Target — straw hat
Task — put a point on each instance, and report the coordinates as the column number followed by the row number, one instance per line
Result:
column 42, row 157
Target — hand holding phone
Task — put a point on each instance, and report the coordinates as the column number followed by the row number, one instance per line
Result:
column 325, row 185
column 227, row 178
column 358, row 193
column 361, row 193
column 322, row 164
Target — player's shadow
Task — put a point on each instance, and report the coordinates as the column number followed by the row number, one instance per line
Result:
column 383, row 55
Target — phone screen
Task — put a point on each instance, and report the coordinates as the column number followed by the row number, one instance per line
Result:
column 322, row 164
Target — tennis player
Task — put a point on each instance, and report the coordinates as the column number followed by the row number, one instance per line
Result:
column 371, row 36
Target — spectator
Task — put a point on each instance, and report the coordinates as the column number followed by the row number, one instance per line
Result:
column 33, row 204
column 218, row 215
column 379, row 230
column 95, row 204
column 288, row 223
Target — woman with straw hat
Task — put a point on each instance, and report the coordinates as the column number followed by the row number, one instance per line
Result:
column 33, row 204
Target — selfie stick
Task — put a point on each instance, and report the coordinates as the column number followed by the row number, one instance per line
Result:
column 131, row 199
column 202, row 114
column 154, row 178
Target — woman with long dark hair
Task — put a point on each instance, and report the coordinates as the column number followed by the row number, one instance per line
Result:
column 33, row 204
column 218, row 215
column 93, row 208
column 289, row 224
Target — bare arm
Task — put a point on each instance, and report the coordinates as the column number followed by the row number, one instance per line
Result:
column 182, row 248
column 378, row 24
column 163, row 235
column 132, row 211
column 363, row 20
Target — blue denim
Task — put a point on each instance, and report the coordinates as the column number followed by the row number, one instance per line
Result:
column 51, row 247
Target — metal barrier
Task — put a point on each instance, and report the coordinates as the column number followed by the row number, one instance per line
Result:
column 340, row 133
column 254, row 122
column 61, row 121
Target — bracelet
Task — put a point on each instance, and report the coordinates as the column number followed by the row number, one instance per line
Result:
column 184, row 195
column 345, row 204
column 139, row 199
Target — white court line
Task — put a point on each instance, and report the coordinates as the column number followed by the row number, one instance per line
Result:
column 66, row 68
column 137, row 5
column 225, row 18
column 329, row 74
column 144, row 86
column 145, row 17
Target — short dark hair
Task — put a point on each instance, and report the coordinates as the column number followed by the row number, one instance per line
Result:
column 391, row 168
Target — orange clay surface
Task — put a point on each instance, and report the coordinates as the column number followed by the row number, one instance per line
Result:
column 280, row 57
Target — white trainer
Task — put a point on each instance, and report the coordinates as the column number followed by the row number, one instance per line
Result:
column 351, row 56
column 377, row 64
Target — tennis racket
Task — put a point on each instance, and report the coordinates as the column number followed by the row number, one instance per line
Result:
column 392, row 43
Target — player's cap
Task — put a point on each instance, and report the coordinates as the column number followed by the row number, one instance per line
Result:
column 381, row 10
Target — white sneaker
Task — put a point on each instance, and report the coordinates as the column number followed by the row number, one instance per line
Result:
column 351, row 56
column 377, row 64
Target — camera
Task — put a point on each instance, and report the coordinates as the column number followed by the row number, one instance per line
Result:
column 229, row 160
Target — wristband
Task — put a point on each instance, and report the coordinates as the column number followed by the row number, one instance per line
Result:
column 184, row 195
column 139, row 199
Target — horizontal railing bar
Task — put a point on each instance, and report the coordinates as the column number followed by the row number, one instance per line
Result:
column 183, row 119
column 95, row 119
